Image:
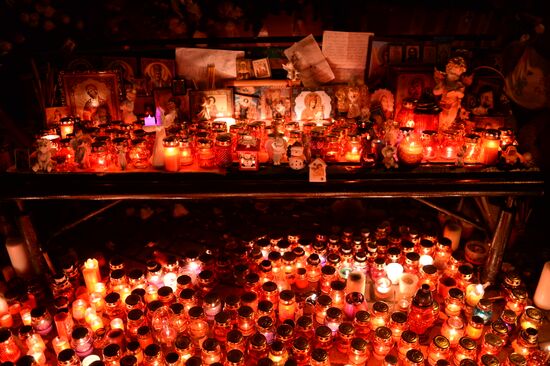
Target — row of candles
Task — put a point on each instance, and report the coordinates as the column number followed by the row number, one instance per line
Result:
column 222, row 141
column 365, row 296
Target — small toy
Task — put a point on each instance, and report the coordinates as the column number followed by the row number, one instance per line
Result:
column 82, row 151
column 388, row 154
column 44, row 161
column 296, row 157
column 279, row 149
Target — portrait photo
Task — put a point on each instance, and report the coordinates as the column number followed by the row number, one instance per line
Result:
column 209, row 104
column 244, row 69
column 352, row 101
column 412, row 53
column 53, row 115
column 126, row 66
column 378, row 66
column 261, row 68
column 313, row 105
column 265, row 99
column 92, row 96
column 158, row 73
column 395, row 54
column 169, row 108
column 412, row 83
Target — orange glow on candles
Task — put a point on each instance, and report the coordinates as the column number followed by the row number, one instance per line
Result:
column 91, row 275
column 117, row 323
column 79, row 309
column 25, row 316
column 59, row 344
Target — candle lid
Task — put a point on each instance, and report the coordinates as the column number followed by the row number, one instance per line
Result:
column 211, row 344
column 489, row 360
column 319, row 355
column 383, row 332
column 194, row 361
column 338, row 285
column 493, row 340
column 245, row 311
column 265, row 322
column 265, row 306
column 409, row 336
column 380, row 307
column 111, row 350
column 285, row 330
column 334, row 313
column 355, row 298
column 135, row 314
column 323, row 332
column 399, row 317
column 171, row 357
column 235, row 356
column 456, row 293
column 414, row 355
column 530, row 335
column 441, row 342
column 154, row 305
column 359, row 344
column 77, row 333
column 304, row 322
column 467, row 343
column 442, row 363
column 346, row 328
column 66, row 355
column 117, row 274
column 328, row 270
column 152, row 350
column 429, row 269
column 468, row 362
column 390, row 360
column 300, row 343
column 195, row 312
column 128, row 360
column 517, row 359
column 234, row 336
column 187, row 294
column 412, row 257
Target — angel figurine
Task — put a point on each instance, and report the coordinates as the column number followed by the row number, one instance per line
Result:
column 292, row 73
column 451, row 89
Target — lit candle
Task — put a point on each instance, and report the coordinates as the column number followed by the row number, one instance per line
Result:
column 410, row 151
column 91, row 275
column 26, row 316
column 408, row 284
column 97, row 302
column 171, row 154
column 6, row 320
column 150, row 121
column 79, row 309
column 101, row 289
column 89, row 314
column 96, row 323
column 66, row 127
column 490, row 147
column 453, row 232
column 542, row 293
column 453, row 329
column 151, row 293
column 425, row 260
column 19, row 257
column 171, row 280
column 4, row 308
column 383, row 288
column 117, row 323
column 356, row 282
column 228, row 121
column 39, row 357
column 63, row 323
column 394, row 272
column 474, row 293
column 35, row 343
column 59, row 344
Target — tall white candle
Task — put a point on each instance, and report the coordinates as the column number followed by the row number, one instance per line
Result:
column 19, row 257
column 408, row 284
column 542, row 293
column 453, row 231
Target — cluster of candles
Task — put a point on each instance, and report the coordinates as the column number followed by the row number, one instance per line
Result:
column 281, row 300
column 220, row 142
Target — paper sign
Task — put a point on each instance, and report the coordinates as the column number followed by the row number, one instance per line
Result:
column 192, row 64
column 307, row 58
column 346, row 53
column 318, row 171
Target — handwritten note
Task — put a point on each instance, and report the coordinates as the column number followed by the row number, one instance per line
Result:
column 347, row 53
column 192, row 64
column 307, row 58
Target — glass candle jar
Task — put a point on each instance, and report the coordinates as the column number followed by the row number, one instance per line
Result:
column 439, row 349
column 333, row 319
column 81, row 341
column 407, row 341
column 472, row 149
column 305, row 327
column 359, row 353
column 421, row 315
column 491, row 344
column 319, row 357
column 484, row 309
column 235, row 340
column 265, row 326
column 223, row 151
column 531, row 318
column 489, row 360
column 466, row 349
column 337, row 293
column 345, row 333
column 324, row 302
column 301, row 350
column 99, row 157
column 379, row 315
column 287, row 305
column 278, row 353
column 9, row 351
column 198, row 326
column 398, row 324
column 139, row 153
column 235, row 358
column 490, row 145
column 205, row 154
column 361, row 322
column 410, row 150
column 414, row 357
column 210, row 351
column 516, row 300
column 245, row 320
column 382, row 342
column 526, row 342
column 171, row 154
column 41, row 321
column 185, row 152
column 515, row 359
column 353, row 149
column 429, row 144
column 454, row 302
column 323, row 337
column 212, row 305
column 448, row 148
column 474, row 329
column 453, row 330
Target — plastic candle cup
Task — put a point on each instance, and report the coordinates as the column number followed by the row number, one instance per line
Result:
column 394, row 272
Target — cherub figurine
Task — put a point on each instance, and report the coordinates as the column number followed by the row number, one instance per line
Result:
column 279, row 149
column 451, row 89
column 291, row 71
column 82, row 151
column 44, row 161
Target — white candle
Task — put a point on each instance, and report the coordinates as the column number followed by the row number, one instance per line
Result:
column 91, row 275
column 474, row 293
column 425, row 260
column 394, row 272
column 150, row 121
column 542, row 293
column 408, row 284
column 453, row 231
column 356, row 283
column 88, row 360
column 19, row 257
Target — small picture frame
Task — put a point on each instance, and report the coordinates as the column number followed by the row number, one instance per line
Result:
column 53, row 115
column 262, row 99
column 395, row 54
column 209, row 104
column 244, row 69
column 261, row 68
column 313, row 104
column 158, row 73
column 92, row 95
column 411, row 82
column 179, row 86
column 412, row 54
column 162, row 97
column 429, row 53
column 126, row 67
